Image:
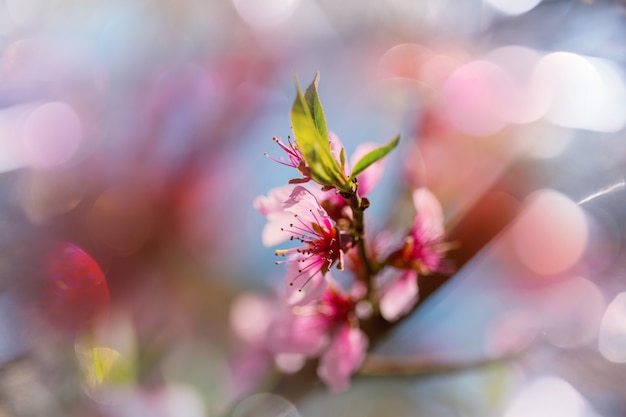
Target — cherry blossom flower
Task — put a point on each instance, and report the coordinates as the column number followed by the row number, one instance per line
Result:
column 322, row 245
column 301, row 218
column 326, row 328
column 421, row 252
column 343, row 357
column 273, row 207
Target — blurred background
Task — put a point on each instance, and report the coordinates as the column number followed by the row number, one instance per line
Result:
column 133, row 279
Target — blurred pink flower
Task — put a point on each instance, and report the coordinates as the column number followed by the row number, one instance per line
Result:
column 326, row 328
column 400, row 295
column 343, row 357
column 422, row 249
column 421, row 252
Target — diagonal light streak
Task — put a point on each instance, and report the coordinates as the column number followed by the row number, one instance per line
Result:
column 606, row 190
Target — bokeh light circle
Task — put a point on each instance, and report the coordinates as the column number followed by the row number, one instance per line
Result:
column 612, row 336
column 550, row 236
column 50, row 135
column 548, row 397
column 585, row 93
column 575, row 309
column 250, row 317
column 265, row 405
column 265, row 14
column 514, row 7
column 474, row 95
column 523, row 101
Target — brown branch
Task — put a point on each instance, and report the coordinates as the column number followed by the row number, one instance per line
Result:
column 416, row 365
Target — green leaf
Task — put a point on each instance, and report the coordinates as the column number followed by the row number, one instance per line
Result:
column 315, row 106
column 342, row 158
column 309, row 129
column 373, row 156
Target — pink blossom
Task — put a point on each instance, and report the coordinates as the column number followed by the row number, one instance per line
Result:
column 421, row 252
column 315, row 230
column 272, row 204
column 298, row 216
column 428, row 226
column 343, row 357
column 422, row 249
column 299, row 330
column 280, row 217
column 326, row 328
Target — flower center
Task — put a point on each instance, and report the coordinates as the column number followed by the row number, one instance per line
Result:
column 336, row 306
column 425, row 254
column 319, row 251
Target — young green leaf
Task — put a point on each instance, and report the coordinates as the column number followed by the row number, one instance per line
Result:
column 373, row 156
column 309, row 128
column 342, row 158
column 315, row 106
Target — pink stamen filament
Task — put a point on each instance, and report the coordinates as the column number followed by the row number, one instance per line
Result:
column 292, row 152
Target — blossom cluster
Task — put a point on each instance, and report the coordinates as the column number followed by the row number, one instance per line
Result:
column 323, row 211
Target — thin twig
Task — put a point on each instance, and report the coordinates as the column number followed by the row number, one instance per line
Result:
column 359, row 225
column 415, row 365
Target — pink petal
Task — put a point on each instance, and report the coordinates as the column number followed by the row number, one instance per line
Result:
column 271, row 206
column 273, row 203
column 304, row 204
column 275, row 230
column 400, row 297
column 335, row 146
column 343, row 357
column 368, row 179
column 280, row 205
column 429, row 218
column 304, row 332
column 307, row 286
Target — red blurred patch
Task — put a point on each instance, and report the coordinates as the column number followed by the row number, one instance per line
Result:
column 75, row 289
